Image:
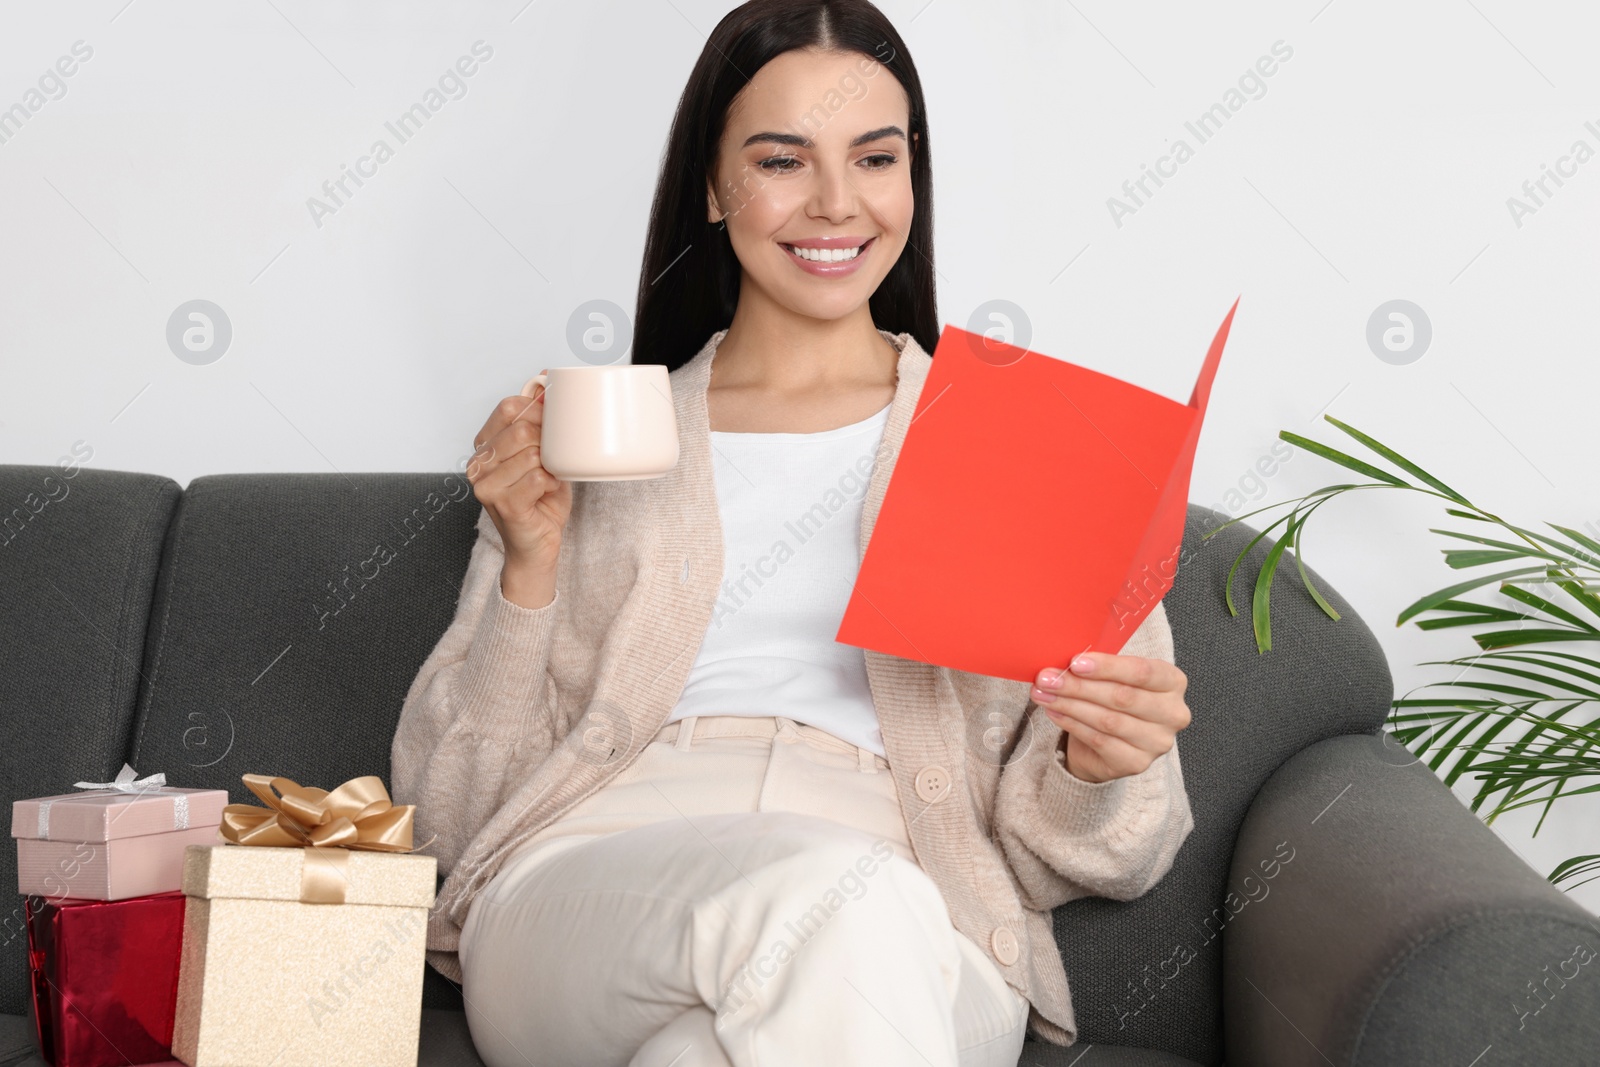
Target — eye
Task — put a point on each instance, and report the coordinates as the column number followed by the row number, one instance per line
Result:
column 772, row 164
column 881, row 161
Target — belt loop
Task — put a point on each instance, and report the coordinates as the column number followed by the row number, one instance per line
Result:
column 685, row 731
column 868, row 762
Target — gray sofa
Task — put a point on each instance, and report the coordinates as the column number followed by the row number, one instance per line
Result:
column 1334, row 905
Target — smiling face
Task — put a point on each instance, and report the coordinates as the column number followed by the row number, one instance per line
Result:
column 814, row 180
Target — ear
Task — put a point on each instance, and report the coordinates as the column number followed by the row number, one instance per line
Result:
column 713, row 212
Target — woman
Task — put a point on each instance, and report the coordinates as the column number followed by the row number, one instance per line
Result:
column 682, row 824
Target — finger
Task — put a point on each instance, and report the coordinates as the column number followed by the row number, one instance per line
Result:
column 505, row 412
column 1164, row 709
column 519, row 436
column 1121, row 758
column 522, row 466
column 1156, row 705
column 1141, row 734
column 1116, row 696
column 1141, row 672
column 509, row 410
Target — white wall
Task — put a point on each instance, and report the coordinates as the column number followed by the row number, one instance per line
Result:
column 1375, row 164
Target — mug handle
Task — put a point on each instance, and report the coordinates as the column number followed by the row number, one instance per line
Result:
column 542, row 379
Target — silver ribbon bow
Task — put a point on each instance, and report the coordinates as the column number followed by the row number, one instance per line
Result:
column 128, row 782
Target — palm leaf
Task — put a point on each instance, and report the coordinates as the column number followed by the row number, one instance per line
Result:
column 1514, row 638
column 1227, row 589
column 1591, row 557
column 1449, row 592
column 1583, row 745
column 1305, row 579
column 1398, row 460
column 1469, row 613
column 1521, row 550
column 1259, row 615
column 1541, row 604
column 1587, row 542
column 1572, row 868
column 1358, row 465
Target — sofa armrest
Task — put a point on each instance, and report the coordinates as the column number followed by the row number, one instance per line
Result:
column 1402, row 930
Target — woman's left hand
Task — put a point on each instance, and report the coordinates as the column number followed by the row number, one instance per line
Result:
column 1118, row 713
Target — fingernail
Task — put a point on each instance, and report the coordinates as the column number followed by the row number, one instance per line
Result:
column 1083, row 664
column 1050, row 677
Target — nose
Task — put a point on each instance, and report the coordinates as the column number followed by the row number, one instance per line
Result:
column 833, row 196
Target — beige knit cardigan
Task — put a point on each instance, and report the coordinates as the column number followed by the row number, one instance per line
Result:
column 517, row 714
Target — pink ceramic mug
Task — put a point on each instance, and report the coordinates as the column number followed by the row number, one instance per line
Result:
column 604, row 424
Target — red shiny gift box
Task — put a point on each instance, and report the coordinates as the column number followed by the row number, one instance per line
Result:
column 105, row 977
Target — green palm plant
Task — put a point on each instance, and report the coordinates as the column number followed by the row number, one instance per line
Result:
column 1524, row 722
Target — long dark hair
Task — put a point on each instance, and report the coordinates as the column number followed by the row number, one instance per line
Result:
column 689, row 286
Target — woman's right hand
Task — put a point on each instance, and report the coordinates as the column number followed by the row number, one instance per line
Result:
column 526, row 503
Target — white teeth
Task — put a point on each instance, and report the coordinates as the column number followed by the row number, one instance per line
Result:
column 825, row 255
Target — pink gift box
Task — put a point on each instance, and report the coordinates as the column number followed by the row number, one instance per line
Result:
column 111, row 844
column 107, row 870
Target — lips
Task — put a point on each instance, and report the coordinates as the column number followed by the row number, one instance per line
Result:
column 829, row 247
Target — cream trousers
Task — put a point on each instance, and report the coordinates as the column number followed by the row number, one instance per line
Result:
column 742, row 895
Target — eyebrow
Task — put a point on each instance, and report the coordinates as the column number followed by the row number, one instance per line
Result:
column 801, row 142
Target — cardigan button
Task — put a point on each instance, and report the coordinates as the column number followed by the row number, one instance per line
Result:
column 1004, row 944
column 933, row 783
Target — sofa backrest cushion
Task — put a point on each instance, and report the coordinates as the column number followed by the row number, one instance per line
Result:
column 79, row 553
column 292, row 615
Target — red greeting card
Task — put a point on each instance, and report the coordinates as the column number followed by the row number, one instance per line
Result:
column 1036, row 511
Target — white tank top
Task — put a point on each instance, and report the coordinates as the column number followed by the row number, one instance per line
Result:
column 790, row 505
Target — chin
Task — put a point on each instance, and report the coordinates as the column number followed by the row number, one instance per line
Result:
column 837, row 306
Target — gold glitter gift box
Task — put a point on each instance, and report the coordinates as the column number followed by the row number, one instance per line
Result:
column 308, row 949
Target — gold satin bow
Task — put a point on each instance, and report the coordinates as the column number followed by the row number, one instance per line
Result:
column 357, row 815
